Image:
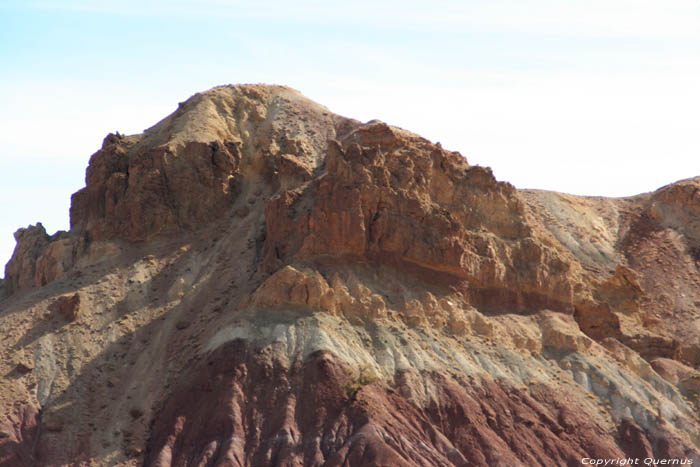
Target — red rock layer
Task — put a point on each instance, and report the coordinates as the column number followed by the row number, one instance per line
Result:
column 241, row 407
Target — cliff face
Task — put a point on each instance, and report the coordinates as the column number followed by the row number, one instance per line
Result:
column 257, row 281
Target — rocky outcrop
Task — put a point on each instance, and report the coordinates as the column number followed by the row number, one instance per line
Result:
column 67, row 307
column 38, row 259
column 257, row 281
column 134, row 194
column 190, row 168
column 388, row 196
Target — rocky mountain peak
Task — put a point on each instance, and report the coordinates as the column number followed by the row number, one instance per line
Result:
column 257, row 281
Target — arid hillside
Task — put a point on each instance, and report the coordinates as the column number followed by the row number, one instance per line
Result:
column 257, row 281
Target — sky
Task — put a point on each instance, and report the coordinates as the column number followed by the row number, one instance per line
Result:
column 594, row 97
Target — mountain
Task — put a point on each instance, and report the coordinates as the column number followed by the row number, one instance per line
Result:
column 257, row 281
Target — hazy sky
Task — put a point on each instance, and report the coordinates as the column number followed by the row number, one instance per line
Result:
column 596, row 97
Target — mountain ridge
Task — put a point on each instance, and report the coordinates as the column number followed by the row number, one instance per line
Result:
column 397, row 304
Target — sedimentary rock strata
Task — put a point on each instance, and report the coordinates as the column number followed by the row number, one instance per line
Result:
column 257, row 281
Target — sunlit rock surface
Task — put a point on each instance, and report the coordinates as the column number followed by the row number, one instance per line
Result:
column 257, row 281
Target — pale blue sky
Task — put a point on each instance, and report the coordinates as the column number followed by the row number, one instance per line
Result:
column 596, row 97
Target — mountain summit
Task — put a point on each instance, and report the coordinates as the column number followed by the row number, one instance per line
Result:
column 257, row 281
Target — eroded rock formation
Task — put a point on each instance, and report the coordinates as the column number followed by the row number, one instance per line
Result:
column 257, row 281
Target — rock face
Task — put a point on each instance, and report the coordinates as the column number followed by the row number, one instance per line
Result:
column 257, row 281
column 38, row 259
